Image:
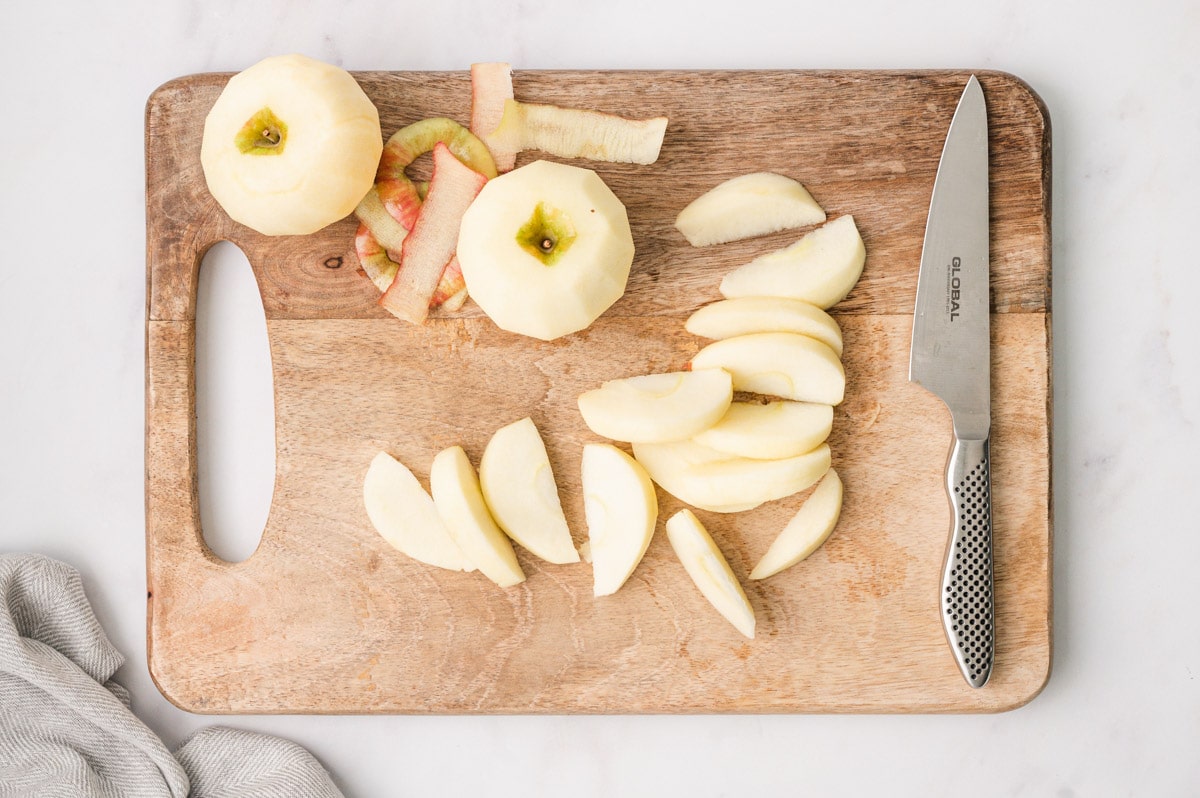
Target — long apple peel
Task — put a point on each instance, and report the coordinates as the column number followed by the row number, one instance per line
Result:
column 430, row 245
column 381, row 265
column 579, row 133
column 491, row 85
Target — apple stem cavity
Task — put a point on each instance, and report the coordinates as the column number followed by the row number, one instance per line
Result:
column 263, row 134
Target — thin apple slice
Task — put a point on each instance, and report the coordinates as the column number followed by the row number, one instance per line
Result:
column 404, row 515
column 491, row 85
column 769, row 431
column 754, row 314
column 655, row 408
column 621, row 510
column 709, row 570
column 820, row 268
column 711, row 480
column 431, row 244
column 577, row 133
column 518, row 485
column 459, row 501
column 786, row 365
column 748, row 206
column 809, row 528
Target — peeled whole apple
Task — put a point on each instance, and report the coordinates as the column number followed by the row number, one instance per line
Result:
column 709, row 570
column 519, row 488
column 291, row 145
column 621, row 510
column 655, row 408
column 545, row 249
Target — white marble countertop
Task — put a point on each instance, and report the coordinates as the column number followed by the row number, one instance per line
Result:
column 1121, row 713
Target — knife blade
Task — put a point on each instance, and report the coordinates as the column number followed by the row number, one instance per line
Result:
column 951, row 357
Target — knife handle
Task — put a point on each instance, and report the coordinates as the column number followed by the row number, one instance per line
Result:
column 967, row 610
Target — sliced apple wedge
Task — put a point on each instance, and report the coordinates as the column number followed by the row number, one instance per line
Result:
column 655, row 408
column 491, row 85
column 755, row 314
column 459, row 501
column 820, row 268
column 807, row 530
column 786, row 365
column 434, row 237
column 709, row 570
column 747, row 206
column 769, row 431
column 577, row 133
column 404, row 515
column 621, row 510
column 518, row 485
column 712, row 480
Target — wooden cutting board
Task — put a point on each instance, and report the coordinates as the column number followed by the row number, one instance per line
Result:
column 326, row 617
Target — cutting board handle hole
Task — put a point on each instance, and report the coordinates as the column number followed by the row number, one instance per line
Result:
column 235, row 405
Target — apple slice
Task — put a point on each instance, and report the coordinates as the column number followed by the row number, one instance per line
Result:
column 820, row 268
column 546, row 249
column 621, row 510
column 460, row 503
column 404, row 515
column 518, row 485
column 290, row 145
column 711, row 480
column 491, row 85
column 786, row 365
column 807, row 530
column 747, row 206
column 754, row 314
column 576, row 133
column 431, row 244
column 655, row 408
column 709, row 570
column 769, row 431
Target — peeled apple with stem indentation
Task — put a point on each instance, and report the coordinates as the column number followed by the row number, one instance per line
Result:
column 290, row 146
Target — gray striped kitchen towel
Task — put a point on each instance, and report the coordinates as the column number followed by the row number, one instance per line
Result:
column 66, row 729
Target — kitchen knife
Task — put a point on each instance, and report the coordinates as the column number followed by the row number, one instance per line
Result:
column 951, row 357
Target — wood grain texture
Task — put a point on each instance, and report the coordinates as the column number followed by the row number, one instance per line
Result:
column 325, row 617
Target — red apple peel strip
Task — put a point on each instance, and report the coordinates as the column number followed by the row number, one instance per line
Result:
column 430, row 245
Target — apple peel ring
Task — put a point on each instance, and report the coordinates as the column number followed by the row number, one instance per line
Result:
column 400, row 195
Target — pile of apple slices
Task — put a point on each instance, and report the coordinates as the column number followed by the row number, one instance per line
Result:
column 408, row 237
column 472, row 519
column 772, row 337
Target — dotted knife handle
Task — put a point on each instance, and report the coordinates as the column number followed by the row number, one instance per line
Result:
column 967, row 610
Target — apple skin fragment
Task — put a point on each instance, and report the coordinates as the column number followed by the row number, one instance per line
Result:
column 430, row 245
column 491, row 85
column 578, row 133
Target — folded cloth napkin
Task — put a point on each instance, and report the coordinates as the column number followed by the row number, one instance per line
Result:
column 66, row 728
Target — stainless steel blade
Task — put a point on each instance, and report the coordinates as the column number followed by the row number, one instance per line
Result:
column 951, row 356
column 950, row 347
